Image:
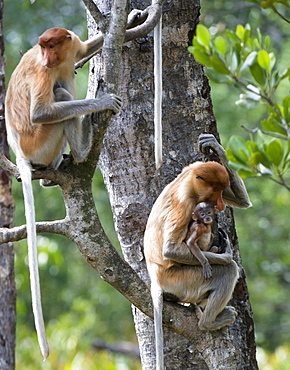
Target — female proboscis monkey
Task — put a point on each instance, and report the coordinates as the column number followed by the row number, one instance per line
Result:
column 42, row 116
column 173, row 269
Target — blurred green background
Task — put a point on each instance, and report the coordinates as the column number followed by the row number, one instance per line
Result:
column 76, row 312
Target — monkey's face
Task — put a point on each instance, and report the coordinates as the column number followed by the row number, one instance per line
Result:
column 204, row 212
column 54, row 44
column 207, row 193
column 209, row 181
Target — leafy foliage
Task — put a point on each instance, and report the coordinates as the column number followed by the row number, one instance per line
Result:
column 263, row 230
column 246, row 61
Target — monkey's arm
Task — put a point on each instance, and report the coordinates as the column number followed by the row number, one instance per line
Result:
column 92, row 46
column 236, row 194
column 60, row 111
column 180, row 253
column 194, row 248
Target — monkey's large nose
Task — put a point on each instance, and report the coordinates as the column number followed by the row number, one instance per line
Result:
column 217, row 199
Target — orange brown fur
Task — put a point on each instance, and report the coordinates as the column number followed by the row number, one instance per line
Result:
column 172, row 211
column 31, row 97
column 170, row 262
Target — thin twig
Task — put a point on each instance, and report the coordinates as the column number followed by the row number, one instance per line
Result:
column 60, row 227
column 268, row 100
column 279, row 14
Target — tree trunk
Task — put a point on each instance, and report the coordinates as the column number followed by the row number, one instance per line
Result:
column 127, row 164
column 7, row 284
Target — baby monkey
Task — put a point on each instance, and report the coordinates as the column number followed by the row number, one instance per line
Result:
column 199, row 235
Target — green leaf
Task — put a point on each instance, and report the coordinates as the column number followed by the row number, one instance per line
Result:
column 220, row 45
column 274, row 151
column 247, row 35
column 217, row 77
column 265, row 171
column 219, row 65
column 258, row 73
column 240, row 32
column 286, row 159
column 257, row 43
column 285, row 74
column 272, row 125
column 232, row 36
column 243, row 171
column 238, row 149
column 256, row 158
column 267, row 41
column 264, row 60
column 286, row 106
column 202, row 34
column 250, row 60
column 190, row 49
column 201, row 57
column 252, row 146
column 235, row 62
column 272, row 60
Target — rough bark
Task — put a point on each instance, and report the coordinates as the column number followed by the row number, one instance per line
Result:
column 7, row 284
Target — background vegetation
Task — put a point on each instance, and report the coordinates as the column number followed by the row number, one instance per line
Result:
column 78, row 305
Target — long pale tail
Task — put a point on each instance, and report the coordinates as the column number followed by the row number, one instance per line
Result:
column 157, row 298
column 158, row 92
column 25, row 173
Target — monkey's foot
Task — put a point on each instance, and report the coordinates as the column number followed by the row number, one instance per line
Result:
column 170, row 297
column 207, row 274
column 226, row 317
column 214, row 249
column 47, row 183
column 198, row 311
column 66, row 160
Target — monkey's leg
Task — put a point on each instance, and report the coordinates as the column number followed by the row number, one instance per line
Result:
column 79, row 137
column 78, row 134
column 216, row 314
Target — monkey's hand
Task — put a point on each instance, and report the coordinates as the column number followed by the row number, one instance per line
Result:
column 207, row 270
column 236, row 194
column 61, row 94
column 214, row 249
column 109, row 101
column 207, row 142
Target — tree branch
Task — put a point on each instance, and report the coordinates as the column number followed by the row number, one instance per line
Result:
column 99, row 17
column 19, row 233
column 139, row 24
column 8, row 166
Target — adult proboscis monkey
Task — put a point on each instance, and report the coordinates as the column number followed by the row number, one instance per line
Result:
column 42, row 117
column 173, row 269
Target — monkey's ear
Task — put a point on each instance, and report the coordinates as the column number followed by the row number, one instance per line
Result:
column 194, row 217
column 216, row 209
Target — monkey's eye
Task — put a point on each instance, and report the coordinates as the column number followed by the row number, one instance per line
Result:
column 209, row 212
column 202, row 214
column 51, row 46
